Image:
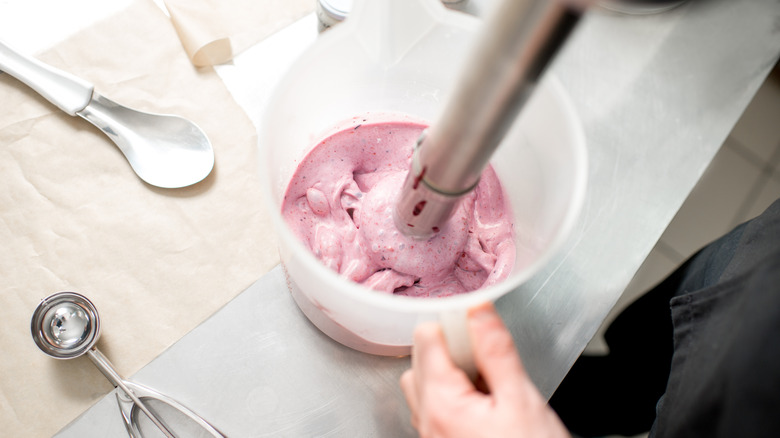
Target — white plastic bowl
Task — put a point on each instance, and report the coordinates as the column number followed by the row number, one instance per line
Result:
column 401, row 56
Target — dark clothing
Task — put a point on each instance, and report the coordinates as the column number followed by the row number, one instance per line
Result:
column 698, row 355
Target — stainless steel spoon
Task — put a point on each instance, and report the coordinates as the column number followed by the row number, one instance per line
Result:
column 66, row 325
column 164, row 150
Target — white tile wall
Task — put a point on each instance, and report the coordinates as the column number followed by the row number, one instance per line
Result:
column 757, row 130
column 740, row 183
column 713, row 206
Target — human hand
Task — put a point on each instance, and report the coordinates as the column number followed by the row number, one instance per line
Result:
column 445, row 403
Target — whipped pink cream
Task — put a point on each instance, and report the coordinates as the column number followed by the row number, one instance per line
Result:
column 340, row 204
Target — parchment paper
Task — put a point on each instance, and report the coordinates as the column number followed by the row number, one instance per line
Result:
column 214, row 31
column 74, row 216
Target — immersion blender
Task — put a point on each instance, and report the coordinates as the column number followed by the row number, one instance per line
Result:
column 517, row 43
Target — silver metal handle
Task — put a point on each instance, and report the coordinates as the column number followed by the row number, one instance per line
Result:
column 108, row 370
column 126, row 405
column 517, row 43
column 68, row 92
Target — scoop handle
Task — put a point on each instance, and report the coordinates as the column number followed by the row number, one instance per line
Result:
column 108, row 370
column 146, row 393
column 68, row 92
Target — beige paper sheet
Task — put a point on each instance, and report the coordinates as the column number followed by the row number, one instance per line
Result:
column 214, row 31
column 74, row 216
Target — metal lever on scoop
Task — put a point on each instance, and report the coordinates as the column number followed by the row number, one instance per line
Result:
column 108, row 370
column 518, row 42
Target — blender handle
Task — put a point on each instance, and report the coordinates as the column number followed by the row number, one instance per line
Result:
column 509, row 59
column 516, row 45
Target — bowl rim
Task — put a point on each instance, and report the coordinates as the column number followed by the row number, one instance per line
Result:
column 357, row 292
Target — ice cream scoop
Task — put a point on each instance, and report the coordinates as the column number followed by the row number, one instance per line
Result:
column 164, row 150
column 66, row 325
column 518, row 42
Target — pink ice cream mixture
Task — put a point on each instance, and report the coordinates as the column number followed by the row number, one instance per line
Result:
column 340, row 204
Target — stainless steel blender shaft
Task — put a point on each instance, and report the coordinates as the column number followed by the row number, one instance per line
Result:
column 517, row 43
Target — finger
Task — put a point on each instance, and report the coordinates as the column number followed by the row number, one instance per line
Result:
column 430, row 358
column 495, row 354
column 436, row 376
column 410, row 392
column 408, row 388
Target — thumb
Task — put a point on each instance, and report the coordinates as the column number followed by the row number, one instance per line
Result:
column 494, row 352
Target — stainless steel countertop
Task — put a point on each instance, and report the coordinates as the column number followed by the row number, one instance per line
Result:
column 657, row 95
